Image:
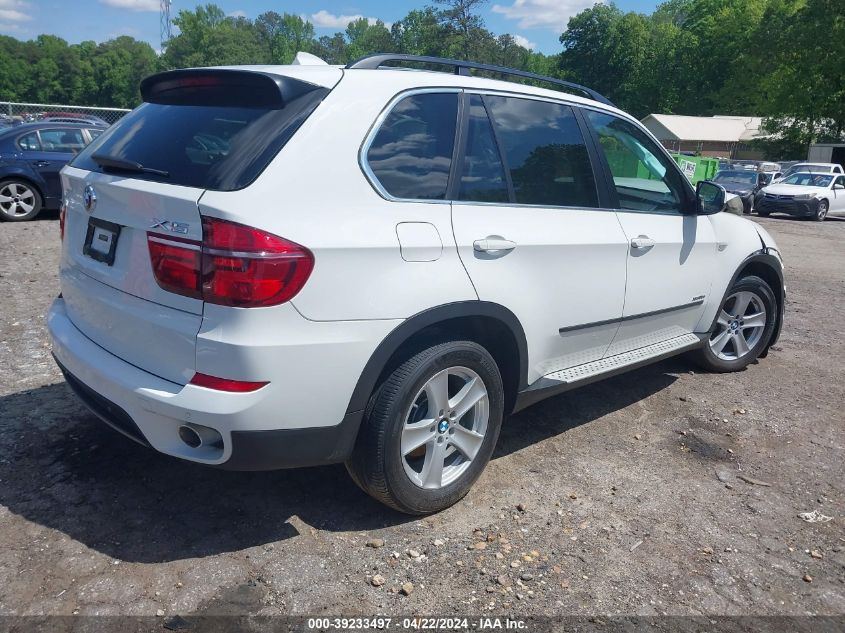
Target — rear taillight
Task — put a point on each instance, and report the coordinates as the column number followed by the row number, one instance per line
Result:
column 234, row 265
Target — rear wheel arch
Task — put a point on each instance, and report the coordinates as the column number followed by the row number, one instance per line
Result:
column 491, row 325
column 23, row 178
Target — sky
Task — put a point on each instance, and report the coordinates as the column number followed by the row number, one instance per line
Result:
column 536, row 24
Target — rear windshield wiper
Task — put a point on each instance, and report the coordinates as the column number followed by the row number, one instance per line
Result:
column 121, row 164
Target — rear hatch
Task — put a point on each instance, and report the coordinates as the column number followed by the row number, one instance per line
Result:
column 198, row 130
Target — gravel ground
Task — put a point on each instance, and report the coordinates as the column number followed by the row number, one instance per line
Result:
column 665, row 490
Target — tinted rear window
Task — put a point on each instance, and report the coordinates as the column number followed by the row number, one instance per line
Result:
column 209, row 147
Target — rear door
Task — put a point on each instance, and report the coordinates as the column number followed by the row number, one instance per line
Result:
column 671, row 250
column 530, row 232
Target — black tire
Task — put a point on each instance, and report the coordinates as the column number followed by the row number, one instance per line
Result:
column 377, row 465
column 709, row 360
column 762, row 214
column 821, row 211
column 746, row 206
column 13, row 211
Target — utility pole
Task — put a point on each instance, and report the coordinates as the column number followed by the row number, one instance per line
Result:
column 165, row 23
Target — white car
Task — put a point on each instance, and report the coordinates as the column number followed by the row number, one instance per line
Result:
column 281, row 266
column 808, row 195
column 814, row 168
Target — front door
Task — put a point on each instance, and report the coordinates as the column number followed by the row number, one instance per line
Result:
column 530, row 233
column 671, row 250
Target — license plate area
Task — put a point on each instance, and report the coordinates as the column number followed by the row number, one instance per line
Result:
column 101, row 240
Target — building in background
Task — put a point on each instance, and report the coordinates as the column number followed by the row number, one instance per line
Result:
column 718, row 136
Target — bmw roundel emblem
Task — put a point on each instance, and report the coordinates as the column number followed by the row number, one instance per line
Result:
column 89, row 198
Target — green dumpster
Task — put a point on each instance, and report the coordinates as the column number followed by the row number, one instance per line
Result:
column 697, row 168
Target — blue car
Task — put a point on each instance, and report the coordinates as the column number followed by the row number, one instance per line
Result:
column 31, row 157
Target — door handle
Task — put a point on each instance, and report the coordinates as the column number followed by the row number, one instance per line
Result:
column 493, row 244
column 40, row 163
column 642, row 242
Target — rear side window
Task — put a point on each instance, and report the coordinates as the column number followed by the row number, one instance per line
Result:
column 545, row 152
column 30, row 142
column 411, row 154
column 483, row 174
column 216, row 147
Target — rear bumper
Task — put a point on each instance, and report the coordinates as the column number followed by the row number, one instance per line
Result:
column 150, row 410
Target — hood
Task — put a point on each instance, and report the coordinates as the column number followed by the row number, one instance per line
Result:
column 792, row 190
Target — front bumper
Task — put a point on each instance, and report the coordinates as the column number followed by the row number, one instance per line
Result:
column 797, row 208
column 150, row 410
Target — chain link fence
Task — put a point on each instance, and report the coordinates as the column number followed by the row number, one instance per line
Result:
column 16, row 113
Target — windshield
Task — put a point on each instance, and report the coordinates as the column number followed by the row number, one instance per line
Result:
column 808, row 180
column 807, row 168
column 745, row 177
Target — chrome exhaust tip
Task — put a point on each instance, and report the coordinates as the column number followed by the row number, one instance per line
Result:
column 198, row 436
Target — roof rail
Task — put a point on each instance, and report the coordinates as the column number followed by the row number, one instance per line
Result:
column 461, row 67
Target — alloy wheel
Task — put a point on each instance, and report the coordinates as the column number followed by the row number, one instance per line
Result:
column 739, row 327
column 16, row 199
column 821, row 213
column 445, row 427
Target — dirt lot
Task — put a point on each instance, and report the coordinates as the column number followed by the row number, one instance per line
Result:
column 665, row 490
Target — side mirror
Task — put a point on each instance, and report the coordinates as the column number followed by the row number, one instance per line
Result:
column 839, row 186
column 710, row 196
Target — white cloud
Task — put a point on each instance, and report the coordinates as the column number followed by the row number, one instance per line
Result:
column 331, row 21
column 134, row 5
column 524, row 42
column 13, row 11
column 237, row 14
column 551, row 14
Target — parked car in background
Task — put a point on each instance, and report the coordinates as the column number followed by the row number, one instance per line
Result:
column 73, row 117
column 282, row 266
column 810, row 168
column 741, row 182
column 31, row 156
column 805, row 195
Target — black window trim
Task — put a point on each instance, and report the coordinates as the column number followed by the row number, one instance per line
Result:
column 608, row 198
column 601, row 196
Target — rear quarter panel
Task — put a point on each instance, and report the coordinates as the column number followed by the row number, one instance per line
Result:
column 316, row 194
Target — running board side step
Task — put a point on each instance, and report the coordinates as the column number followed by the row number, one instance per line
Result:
column 560, row 381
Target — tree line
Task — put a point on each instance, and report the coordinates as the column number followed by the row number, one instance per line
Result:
column 781, row 59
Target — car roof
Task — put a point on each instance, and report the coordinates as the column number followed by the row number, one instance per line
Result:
column 407, row 78
column 16, row 130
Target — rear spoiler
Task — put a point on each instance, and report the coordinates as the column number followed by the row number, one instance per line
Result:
column 223, row 87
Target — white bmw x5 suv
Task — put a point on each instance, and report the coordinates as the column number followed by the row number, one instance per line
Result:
column 281, row 266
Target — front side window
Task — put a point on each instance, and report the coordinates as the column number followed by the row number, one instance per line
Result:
column 483, row 174
column 411, row 154
column 68, row 141
column 646, row 180
column 545, row 152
